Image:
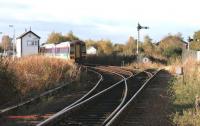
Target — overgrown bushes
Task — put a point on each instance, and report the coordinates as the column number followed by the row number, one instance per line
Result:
column 172, row 52
column 7, row 81
column 184, row 91
column 30, row 75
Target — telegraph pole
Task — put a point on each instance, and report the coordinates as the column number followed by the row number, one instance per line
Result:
column 12, row 26
column 139, row 27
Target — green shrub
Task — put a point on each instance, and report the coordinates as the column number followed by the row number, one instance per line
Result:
column 184, row 90
column 172, row 52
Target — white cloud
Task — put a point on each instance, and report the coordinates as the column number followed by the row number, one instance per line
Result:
column 112, row 16
column 78, row 10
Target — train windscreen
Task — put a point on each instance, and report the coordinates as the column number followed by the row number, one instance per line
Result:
column 72, row 49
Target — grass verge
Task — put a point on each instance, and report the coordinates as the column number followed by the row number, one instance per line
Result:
column 183, row 91
column 31, row 75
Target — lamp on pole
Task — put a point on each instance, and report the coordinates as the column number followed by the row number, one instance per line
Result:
column 12, row 26
column 139, row 27
column 1, row 33
column 189, row 40
column 2, row 44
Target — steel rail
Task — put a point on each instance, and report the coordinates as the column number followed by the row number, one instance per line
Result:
column 119, row 69
column 148, row 73
column 78, row 104
column 116, row 117
column 123, row 100
column 32, row 99
column 60, row 113
column 89, row 92
column 126, row 91
column 43, row 95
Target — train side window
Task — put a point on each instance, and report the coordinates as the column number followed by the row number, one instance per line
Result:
column 58, row 50
column 48, row 50
column 83, row 48
column 72, row 48
column 67, row 49
column 62, row 50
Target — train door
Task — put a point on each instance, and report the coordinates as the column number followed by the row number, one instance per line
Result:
column 83, row 51
column 72, row 51
column 78, row 49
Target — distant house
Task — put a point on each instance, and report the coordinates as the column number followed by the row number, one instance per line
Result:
column 27, row 44
column 91, row 51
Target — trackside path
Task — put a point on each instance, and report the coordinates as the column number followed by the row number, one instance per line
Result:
column 152, row 107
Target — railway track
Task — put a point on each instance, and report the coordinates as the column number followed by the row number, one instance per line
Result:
column 97, row 91
column 101, row 85
column 96, row 112
column 150, row 108
column 142, row 79
column 104, row 107
column 16, row 115
column 106, row 102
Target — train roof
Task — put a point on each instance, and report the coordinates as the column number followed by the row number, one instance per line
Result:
column 63, row 44
column 48, row 45
column 77, row 41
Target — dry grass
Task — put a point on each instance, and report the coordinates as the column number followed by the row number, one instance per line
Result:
column 142, row 66
column 184, row 91
column 174, row 63
column 34, row 74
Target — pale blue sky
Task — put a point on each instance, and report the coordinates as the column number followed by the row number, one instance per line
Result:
column 95, row 19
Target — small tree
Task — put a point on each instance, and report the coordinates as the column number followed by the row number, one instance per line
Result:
column 171, row 45
column 172, row 52
column 118, row 48
column 104, row 47
column 70, row 36
column 1, row 48
column 6, row 42
column 90, row 43
column 195, row 44
column 171, row 41
column 130, row 47
column 55, row 37
column 148, row 46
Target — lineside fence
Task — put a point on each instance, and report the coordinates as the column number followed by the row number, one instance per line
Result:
column 190, row 54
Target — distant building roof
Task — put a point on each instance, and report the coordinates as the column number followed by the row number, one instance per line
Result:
column 91, row 50
column 157, row 43
column 184, row 42
column 25, row 33
column 92, row 47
